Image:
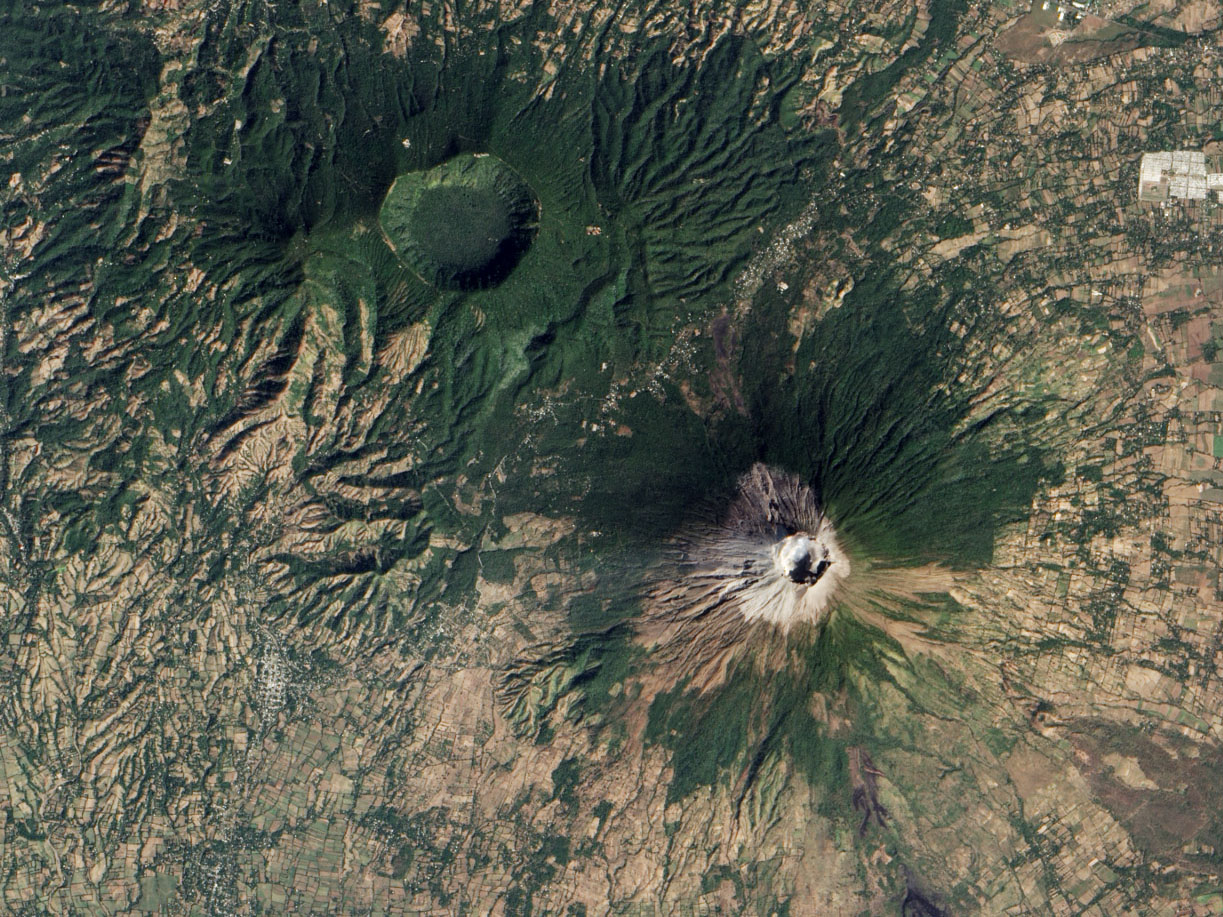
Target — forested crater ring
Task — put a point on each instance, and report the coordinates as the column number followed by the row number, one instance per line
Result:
column 463, row 224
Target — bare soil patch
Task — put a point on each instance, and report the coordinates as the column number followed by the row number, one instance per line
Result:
column 1038, row 38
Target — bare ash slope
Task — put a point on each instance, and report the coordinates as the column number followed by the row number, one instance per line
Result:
column 304, row 601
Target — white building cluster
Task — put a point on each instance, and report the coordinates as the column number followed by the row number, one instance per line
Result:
column 1181, row 174
column 1075, row 9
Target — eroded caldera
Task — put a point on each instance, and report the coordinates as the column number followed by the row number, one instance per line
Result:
column 461, row 225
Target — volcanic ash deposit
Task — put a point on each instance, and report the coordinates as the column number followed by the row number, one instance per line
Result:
column 773, row 557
